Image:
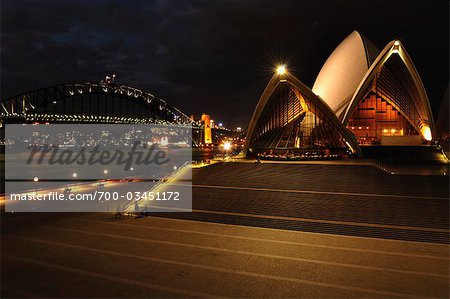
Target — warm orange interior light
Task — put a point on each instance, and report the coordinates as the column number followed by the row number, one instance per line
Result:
column 426, row 133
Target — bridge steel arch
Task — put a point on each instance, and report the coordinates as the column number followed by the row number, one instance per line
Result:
column 90, row 103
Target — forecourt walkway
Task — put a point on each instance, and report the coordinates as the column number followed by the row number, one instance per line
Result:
column 96, row 256
column 260, row 231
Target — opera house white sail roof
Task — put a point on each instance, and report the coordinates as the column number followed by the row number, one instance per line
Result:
column 343, row 71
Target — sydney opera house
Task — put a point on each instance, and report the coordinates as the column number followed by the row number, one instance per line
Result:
column 361, row 97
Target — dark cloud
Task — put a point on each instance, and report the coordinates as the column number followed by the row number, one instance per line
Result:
column 207, row 56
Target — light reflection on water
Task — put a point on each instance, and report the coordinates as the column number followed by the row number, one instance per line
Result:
column 35, row 170
column 203, row 154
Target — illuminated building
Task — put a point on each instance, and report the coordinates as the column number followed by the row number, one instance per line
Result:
column 375, row 94
column 206, row 119
column 362, row 96
column 289, row 116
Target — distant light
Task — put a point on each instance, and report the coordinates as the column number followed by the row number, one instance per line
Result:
column 281, row 70
column 226, row 145
column 36, row 179
column 74, row 175
column 131, row 168
column 220, row 124
column 393, row 131
column 105, row 171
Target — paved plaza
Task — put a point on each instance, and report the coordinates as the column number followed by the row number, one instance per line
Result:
column 257, row 230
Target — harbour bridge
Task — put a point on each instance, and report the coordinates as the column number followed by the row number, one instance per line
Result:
column 90, row 103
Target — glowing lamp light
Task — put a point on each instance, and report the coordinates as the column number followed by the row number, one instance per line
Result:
column 226, row 145
column 74, row 175
column 396, row 47
column 35, row 179
column 426, row 133
column 281, row 70
column 105, row 171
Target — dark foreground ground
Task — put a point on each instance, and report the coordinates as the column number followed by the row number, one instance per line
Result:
column 269, row 230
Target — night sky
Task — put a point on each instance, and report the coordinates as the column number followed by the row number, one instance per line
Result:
column 208, row 56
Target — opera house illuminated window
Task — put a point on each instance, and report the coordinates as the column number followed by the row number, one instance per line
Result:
column 289, row 117
column 375, row 118
column 292, row 121
column 362, row 96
